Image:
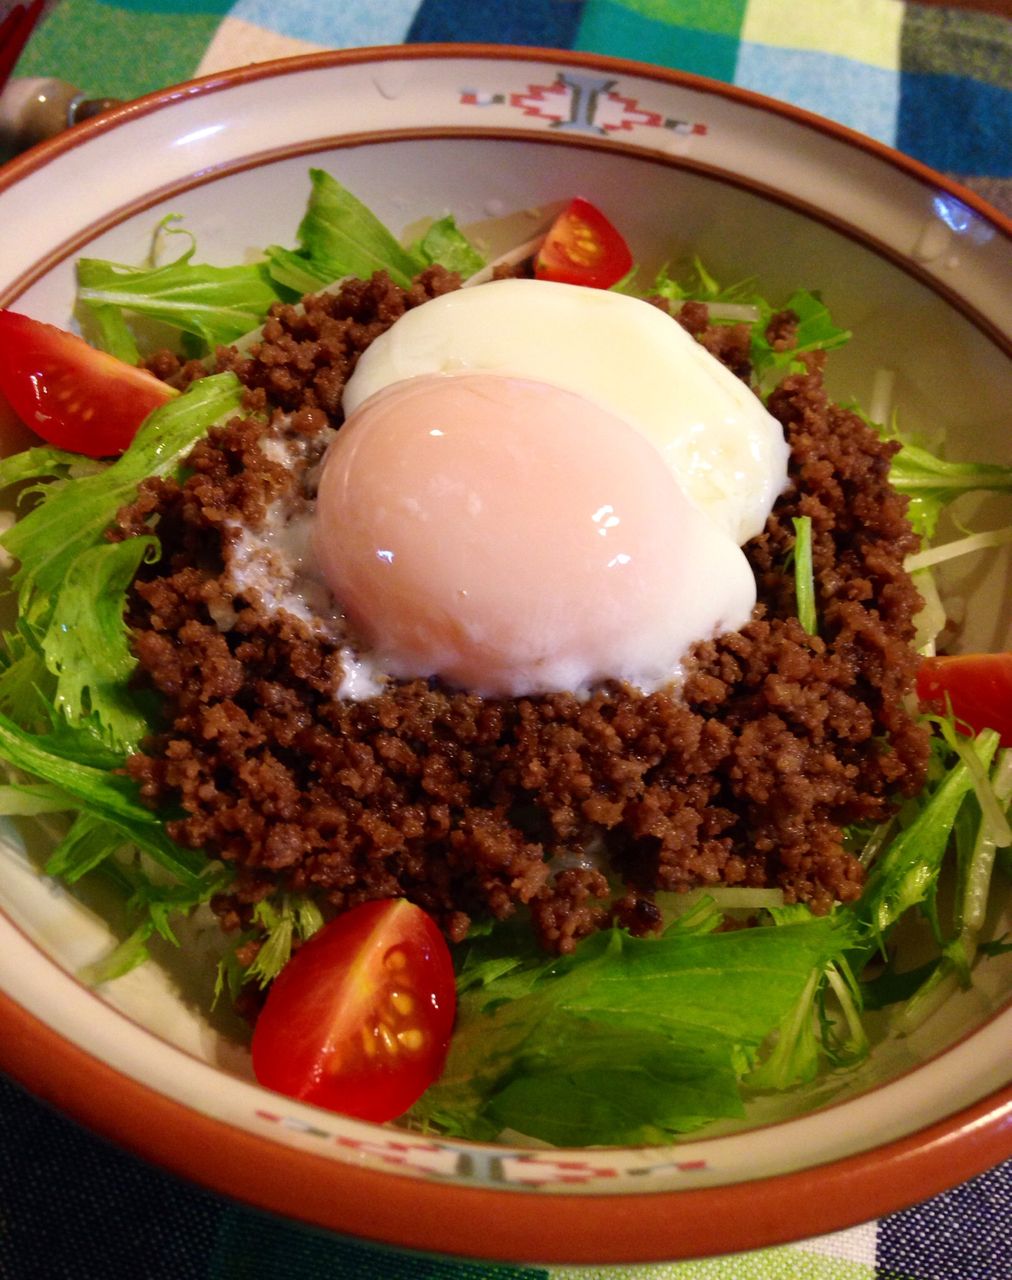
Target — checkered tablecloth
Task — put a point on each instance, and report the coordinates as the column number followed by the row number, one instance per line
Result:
column 934, row 81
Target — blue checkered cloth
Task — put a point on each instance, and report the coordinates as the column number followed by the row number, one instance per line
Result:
column 934, row 81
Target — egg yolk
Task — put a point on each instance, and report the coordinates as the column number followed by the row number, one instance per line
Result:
column 513, row 538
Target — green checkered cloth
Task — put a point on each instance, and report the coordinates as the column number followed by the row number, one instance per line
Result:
column 933, row 81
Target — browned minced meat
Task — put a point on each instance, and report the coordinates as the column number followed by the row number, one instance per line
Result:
column 471, row 806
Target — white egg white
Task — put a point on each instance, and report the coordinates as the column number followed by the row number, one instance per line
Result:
column 727, row 452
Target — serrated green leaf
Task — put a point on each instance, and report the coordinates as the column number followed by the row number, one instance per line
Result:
column 815, row 332
column 43, row 462
column 214, row 304
column 86, row 845
column 72, row 518
column 615, row 1016
column 105, row 795
column 339, row 236
column 446, row 244
column 86, row 645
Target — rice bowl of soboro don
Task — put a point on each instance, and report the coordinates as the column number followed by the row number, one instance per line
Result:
column 494, row 675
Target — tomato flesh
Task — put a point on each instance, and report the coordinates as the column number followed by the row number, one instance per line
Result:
column 582, row 247
column 70, row 394
column 359, row 1020
column 977, row 685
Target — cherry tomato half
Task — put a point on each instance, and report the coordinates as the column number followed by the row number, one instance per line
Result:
column 70, row 394
column 582, row 247
column 359, row 1020
column 978, row 685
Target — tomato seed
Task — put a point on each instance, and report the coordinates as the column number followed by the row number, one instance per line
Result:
column 402, row 1002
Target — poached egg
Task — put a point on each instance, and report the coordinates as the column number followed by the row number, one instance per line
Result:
column 539, row 487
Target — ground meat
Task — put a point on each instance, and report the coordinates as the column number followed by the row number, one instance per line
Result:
column 307, row 355
column 580, row 809
column 729, row 343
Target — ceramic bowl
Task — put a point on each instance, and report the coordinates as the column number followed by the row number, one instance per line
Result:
column 919, row 269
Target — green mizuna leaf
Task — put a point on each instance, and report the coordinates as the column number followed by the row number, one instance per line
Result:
column 104, row 795
column 339, row 236
column 160, row 902
column 294, row 916
column 72, row 518
column 742, row 302
column 26, row 685
column 617, row 1085
column 645, row 1038
column 815, row 332
column 86, row 645
column 446, row 244
column 293, row 270
column 698, row 285
column 214, row 304
column 797, row 1053
column 106, row 327
column 803, row 578
column 932, row 483
column 277, row 922
column 130, row 954
column 44, row 463
column 905, row 874
column 86, row 845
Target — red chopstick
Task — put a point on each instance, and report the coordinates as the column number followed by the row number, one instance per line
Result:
column 15, row 29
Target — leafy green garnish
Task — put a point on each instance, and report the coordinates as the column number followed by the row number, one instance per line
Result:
column 965, row 546
column 214, row 304
column 155, row 902
column 339, row 236
column 102, row 794
column 932, row 483
column 808, row 1034
column 45, row 462
column 696, row 284
column 86, row 845
column 74, row 517
column 627, row 1040
column 105, row 326
column 295, row 915
column 71, row 583
column 86, row 645
column 444, row 243
column 815, row 328
column 68, row 717
column 131, row 953
column 804, row 580
column 815, row 332
column 276, row 922
column 905, row 875
column 985, row 820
